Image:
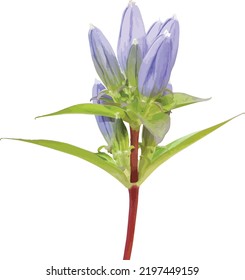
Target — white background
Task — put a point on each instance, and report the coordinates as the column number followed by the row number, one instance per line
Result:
column 59, row 210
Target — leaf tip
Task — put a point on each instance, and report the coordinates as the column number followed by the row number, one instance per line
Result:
column 5, row 138
column 38, row 117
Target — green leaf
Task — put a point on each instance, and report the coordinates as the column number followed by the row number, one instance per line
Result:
column 158, row 127
column 183, row 99
column 105, row 157
column 91, row 109
column 156, row 121
column 162, row 154
column 177, row 99
column 93, row 158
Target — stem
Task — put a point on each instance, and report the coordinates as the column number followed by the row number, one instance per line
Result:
column 133, row 204
column 133, row 194
column 134, row 155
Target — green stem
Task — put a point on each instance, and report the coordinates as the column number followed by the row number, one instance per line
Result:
column 133, row 194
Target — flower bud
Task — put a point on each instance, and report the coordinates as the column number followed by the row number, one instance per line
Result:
column 156, row 68
column 104, row 59
column 132, row 27
column 171, row 26
column 105, row 123
column 133, row 64
column 114, row 132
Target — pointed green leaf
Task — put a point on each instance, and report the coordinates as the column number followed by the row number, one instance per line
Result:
column 91, row 109
column 162, row 154
column 175, row 100
column 93, row 158
column 183, row 99
column 156, row 121
column 158, row 127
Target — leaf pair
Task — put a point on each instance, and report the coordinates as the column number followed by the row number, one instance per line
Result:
column 152, row 120
column 161, row 154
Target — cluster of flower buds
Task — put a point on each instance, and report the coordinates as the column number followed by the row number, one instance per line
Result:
column 137, row 76
column 145, row 60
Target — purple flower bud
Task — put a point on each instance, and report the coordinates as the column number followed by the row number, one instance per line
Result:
column 132, row 27
column 171, row 26
column 156, row 67
column 104, row 59
column 113, row 130
column 154, row 31
column 105, row 124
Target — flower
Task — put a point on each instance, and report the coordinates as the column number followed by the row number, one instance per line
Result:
column 104, row 59
column 170, row 26
column 145, row 59
column 162, row 39
column 133, row 64
column 132, row 27
column 106, row 124
column 113, row 130
column 155, row 70
column 141, row 70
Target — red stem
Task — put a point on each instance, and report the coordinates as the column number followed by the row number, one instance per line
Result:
column 134, row 155
column 133, row 204
column 133, row 194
